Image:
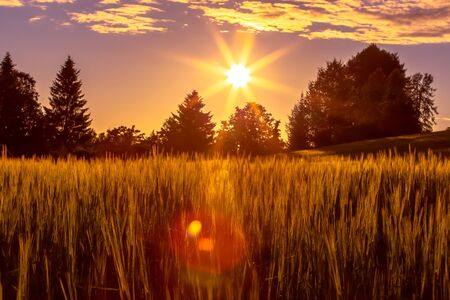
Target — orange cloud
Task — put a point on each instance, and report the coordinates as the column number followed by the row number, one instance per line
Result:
column 10, row 3
column 52, row 1
column 127, row 18
column 388, row 21
column 106, row 2
column 200, row 1
column 378, row 21
column 18, row 3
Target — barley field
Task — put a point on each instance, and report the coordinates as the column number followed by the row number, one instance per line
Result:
column 277, row 227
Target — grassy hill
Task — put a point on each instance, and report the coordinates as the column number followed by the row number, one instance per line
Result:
column 438, row 142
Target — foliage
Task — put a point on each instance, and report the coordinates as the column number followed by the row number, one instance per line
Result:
column 422, row 93
column 20, row 112
column 189, row 130
column 368, row 97
column 125, row 142
column 67, row 120
column 250, row 130
column 298, row 126
column 373, row 228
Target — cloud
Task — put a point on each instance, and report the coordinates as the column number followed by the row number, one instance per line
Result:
column 18, row 3
column 126, row 18
column 106, row 2
column 200, row 1
column 52, row 1
column 36, row 19
column 10, row 3
column 388, row 21
column 378, row 21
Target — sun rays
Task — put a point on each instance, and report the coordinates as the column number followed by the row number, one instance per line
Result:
column 238, row 74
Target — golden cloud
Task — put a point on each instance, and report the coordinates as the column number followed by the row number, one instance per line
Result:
column 18, row 3
column 10, row 3
column 200, row 1
column 127, row 18
column 374, row 21
column 388, row 22
column 106, row 2
column 52, row 1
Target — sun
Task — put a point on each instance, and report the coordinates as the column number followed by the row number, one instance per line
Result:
column 238, row 75
column 240, row 72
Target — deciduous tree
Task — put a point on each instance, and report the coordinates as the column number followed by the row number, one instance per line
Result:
column 124, row 141
column 368, row 97
column 250, row 130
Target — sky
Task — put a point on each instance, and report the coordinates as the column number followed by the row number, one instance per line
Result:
column 139, row 59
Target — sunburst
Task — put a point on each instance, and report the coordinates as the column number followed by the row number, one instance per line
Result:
column 239, row 75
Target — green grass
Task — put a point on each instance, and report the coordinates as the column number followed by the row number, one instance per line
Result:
column 438, row 142
column 372, row 228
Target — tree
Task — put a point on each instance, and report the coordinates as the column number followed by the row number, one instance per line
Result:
column 124, row 141
column 321, row 116
column 298, row 126
column 190, row 129
column 380, row 104
column 398, row 114
column 20, row 112
column 368, row 97
column 68, row 122
column 422, row 94
column 250, row 130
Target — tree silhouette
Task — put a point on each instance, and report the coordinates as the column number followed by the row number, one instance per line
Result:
column 124, row 141
column 189, row 130
column 380, row 104
column 68, row 122
column 368, row 97
column 20, row 112
column 250, row 130
column 422, row 93
column 321, row 117
column 298, row 126
column 399, row 116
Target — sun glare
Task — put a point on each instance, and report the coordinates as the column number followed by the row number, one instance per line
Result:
column 238, row 76
column 242, row 73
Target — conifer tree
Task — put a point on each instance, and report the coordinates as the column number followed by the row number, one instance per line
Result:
column 68, row 120
column 20, row 112
column 190, row 129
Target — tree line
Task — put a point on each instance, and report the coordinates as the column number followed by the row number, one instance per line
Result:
column 367, row 97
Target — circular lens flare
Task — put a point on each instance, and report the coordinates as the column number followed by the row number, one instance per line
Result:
column 194, row 229
column 238, row 75
column 207, row 242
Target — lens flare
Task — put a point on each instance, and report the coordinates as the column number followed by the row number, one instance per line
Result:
column 194, row 229
column 207, row 242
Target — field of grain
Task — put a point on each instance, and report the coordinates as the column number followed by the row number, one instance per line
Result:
column 331, row 228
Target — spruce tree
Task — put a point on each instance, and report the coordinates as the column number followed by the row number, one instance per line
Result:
column 20, row 112
column 68, row 120
column 190, row 129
